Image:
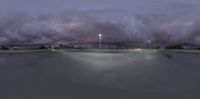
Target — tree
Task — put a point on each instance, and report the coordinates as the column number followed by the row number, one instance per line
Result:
column 174, row 47
column 4, row 48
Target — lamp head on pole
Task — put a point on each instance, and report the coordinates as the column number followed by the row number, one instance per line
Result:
column 100, row 35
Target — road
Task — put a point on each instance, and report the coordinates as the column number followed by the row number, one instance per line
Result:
column 138, row 74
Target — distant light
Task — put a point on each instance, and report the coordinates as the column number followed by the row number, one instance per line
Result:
column 149, row 41
column 100, row 35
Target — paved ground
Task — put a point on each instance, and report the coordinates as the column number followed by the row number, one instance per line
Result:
column 138, row 74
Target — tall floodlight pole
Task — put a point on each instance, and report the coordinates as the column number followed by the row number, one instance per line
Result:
column 100, row 38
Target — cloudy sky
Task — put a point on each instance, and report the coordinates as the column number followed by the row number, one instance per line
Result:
column 161, row 21
column 133, row 5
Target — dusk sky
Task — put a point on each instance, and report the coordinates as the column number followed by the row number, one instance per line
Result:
column 45, row 21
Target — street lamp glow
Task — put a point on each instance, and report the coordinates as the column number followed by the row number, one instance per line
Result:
column 149, row 41
column 100, row 36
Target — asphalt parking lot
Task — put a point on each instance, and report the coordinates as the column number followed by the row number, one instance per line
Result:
column 139, row 74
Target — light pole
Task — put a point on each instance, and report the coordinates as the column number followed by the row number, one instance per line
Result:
column 149, row 43
column 100, row 37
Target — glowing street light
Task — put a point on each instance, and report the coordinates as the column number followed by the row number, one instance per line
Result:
column 100, row 37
